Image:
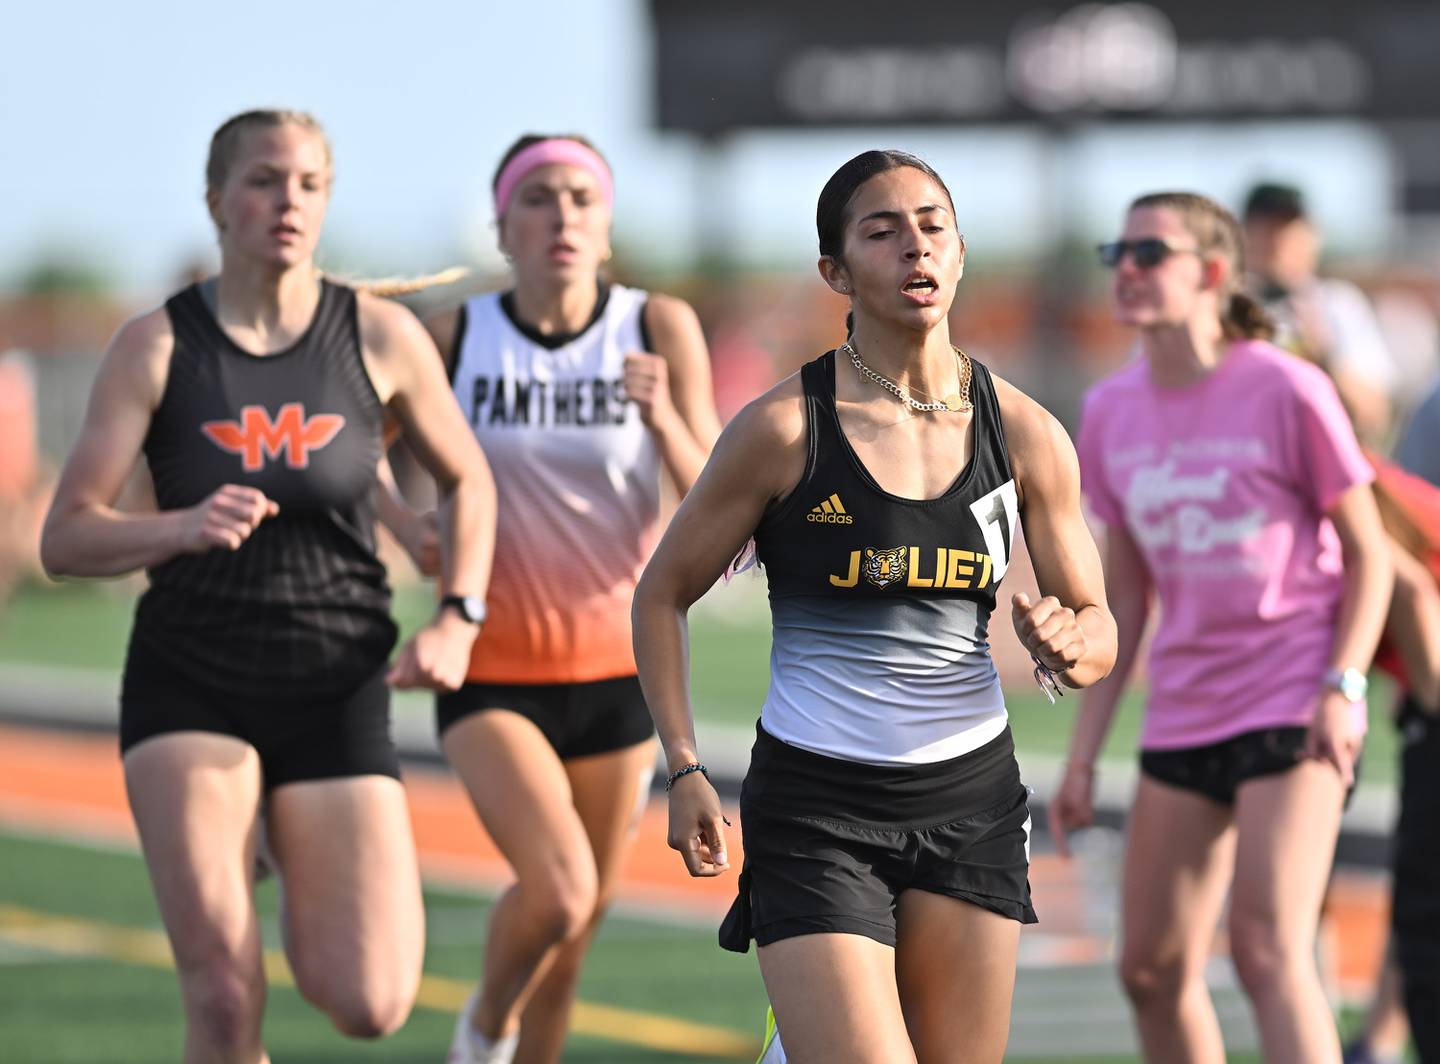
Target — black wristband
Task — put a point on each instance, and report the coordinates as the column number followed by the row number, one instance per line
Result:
column 685, row 770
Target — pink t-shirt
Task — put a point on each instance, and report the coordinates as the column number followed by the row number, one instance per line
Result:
column 1224, row 485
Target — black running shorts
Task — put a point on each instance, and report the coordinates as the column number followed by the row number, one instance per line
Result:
column 1216, row 770
column 297, row 739
column 830, row 845
column 578, row 719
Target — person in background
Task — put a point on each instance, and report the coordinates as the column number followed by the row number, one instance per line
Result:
column 1415, row 915
column 584, row 394
column 1325, row 319
column 1234, row 492
column 26, row 481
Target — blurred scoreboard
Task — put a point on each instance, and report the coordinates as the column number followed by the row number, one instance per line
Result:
column 734, row 64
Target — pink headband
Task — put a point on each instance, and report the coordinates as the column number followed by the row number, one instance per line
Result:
column 544, row 153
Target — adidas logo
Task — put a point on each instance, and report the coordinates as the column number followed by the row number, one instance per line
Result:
column 830, row 512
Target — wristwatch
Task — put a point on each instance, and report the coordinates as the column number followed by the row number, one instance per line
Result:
column 471, row 607
column 1351, row 683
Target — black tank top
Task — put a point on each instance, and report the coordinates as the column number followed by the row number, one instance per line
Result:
column 302, row 607
column 881, row 604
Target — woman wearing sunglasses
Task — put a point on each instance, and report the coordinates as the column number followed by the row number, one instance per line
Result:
column 1235, row 493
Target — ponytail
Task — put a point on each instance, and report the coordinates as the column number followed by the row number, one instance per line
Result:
column 392, row 287
column 1245, row 319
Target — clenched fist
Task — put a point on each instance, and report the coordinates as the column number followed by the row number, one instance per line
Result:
column 225, row 519
column 1049, row 631
column 437, row 656
column 647, row 385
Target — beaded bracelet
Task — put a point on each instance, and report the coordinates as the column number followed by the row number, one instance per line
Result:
column 685, row 770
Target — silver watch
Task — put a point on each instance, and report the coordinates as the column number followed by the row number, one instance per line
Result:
column 1351, row 683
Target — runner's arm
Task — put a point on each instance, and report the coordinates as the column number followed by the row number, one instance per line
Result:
column 676, row 395
column 758, row 459
column 411, row 380
column 1070, row 629
column 84, row 534
column 1413, row 626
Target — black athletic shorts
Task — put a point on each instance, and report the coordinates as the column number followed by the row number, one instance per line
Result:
column 1217, row 769
column 297, row 739
column 578, row 719
column 830, row 845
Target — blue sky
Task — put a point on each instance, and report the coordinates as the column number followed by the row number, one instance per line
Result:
column 106, row 110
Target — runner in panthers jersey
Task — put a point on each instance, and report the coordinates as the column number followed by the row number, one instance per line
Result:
column 582, row 392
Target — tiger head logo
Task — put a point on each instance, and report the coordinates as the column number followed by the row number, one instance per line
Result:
column 884, row 567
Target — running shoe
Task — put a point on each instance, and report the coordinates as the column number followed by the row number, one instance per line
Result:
column 773, row 1052
column 469, row 1046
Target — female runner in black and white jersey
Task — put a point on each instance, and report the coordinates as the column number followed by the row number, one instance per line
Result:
column 886, row 830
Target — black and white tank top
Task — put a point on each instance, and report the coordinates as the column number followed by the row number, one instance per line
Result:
column 881, row 604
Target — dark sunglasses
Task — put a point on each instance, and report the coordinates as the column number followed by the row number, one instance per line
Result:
column 1151, row 251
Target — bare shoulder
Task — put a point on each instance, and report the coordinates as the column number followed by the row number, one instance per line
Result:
column 775, row 418
column 444, row 327
column 393, row 344
column 765, row 443
column 667, row 311
column 385, row 325
column 672, row 322
column 139, row 356
column 1027, row 424
column 1040, row 448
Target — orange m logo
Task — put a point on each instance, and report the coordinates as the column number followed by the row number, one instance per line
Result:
column 254, row 436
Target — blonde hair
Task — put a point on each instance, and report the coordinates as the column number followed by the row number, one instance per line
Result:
column 225, row 146
column 1217, row 232
column 392, row 287
column 225, row 142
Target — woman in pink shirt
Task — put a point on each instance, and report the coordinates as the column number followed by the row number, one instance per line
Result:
column 1234, row 493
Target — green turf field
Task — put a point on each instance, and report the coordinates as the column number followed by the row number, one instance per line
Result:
column 63, row 1002
column 59, row 1008
column 73, row 1003
column 86, row 625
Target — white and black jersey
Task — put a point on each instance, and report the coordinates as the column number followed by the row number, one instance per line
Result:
column 881, row 604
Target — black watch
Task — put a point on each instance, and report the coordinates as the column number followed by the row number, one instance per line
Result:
column 471, row 607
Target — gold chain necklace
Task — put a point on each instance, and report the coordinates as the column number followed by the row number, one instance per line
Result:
column 956, row 402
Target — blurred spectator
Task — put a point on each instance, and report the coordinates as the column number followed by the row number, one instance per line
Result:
column 1328, row 321
column 1416, row 912
column 1419, row 449
column 1412, row 336
column 25, row 482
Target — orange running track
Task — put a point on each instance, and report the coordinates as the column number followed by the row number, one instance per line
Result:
column 71, row 785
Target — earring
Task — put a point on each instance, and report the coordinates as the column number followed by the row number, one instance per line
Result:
column 844, row 288
column 609, row 254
